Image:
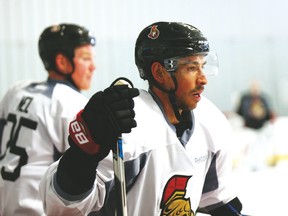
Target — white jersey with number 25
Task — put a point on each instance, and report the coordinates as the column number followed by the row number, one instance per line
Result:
column 34, row 118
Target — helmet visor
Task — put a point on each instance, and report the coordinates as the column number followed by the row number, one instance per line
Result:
column 211, row 67
column 208, row 65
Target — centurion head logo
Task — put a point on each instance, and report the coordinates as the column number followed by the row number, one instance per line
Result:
column 154, row 32
column 173, row 199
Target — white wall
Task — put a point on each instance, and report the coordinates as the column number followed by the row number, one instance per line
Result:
column 248, row 35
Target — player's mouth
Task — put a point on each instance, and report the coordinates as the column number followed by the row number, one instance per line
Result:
column 197, row 94
column 197, row 97
column 89, row 78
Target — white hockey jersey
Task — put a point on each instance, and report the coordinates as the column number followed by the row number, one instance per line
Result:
column 162, row 176
column 34, row 120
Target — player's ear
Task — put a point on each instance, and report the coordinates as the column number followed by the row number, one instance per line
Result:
column 63, row 64
column 158, row 71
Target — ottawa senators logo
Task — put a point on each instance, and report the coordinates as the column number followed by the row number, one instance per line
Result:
column 154, row 32
column 257, row 109
column 173, row 199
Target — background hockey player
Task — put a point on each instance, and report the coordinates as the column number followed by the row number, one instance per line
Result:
column 175, row 154
column 34, row 116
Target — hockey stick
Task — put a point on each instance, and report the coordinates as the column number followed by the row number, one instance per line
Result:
column 120, row 184
column 118, row 164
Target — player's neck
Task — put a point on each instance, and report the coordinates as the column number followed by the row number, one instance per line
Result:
column 56, row 76
column 167, row 107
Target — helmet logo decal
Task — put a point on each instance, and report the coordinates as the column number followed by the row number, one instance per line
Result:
column 55, row 28
column 154, row 32
column 170, row 64
column 173, row 200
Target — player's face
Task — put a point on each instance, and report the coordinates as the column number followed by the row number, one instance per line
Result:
column 84, row 66
column 191, row 81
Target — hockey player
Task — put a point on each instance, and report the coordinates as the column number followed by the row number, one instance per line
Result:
column 175, row 155
column 34, row 116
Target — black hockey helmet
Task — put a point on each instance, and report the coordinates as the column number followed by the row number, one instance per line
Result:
column 62, row 38
column 162, row 41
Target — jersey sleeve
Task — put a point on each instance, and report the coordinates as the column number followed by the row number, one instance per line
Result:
column 56, row 202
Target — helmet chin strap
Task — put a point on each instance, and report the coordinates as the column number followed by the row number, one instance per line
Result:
column 172, row 98
column 68, row 77
column 70, row 80
column 171, row 94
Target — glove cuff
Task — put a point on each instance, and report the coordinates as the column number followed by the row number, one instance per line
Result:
column 81, row 136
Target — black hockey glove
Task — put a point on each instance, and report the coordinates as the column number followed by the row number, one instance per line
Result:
column 233, row 208
column 107, row 114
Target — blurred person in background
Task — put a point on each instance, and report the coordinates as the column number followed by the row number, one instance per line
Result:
column 255, row 108
column 34, row 116
column 257, row 114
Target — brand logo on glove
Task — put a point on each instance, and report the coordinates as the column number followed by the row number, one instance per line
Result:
column 79, row 132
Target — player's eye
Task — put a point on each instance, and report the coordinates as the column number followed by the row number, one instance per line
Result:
column 86, row 57
column 193, row 68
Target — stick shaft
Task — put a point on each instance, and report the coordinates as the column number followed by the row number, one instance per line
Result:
column 119, row 177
